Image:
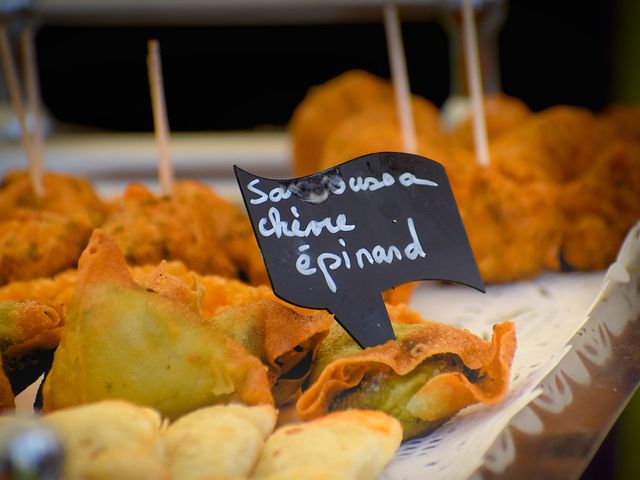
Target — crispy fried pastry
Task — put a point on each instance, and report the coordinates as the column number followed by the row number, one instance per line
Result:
column 424, row 377
column 63, row 194
column 7, row 399
column 29, row 333
column 324, row 108
column 502, row 114
column 220, row 442
column 376, row 128
column 205, row 232
column 600, row 207
column 39, row 244
column 514, row 228
column 350, row 445
column 122, row 341
column 43, row 236
column 110, row 439
column 280, row 337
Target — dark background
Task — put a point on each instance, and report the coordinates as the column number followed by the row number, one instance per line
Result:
column 239, row 77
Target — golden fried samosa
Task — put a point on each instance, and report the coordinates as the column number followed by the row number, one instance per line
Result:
column 29, row 332
column 7, row 399
column 280, row 337
column 122, row 341
column 424, row 377
column 219, row 442
column 109, row 439
column 350, row 445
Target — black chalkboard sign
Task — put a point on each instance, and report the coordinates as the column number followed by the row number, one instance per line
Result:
column 335, row 240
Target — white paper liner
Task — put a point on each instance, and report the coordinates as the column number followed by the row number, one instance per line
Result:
column 548, row 312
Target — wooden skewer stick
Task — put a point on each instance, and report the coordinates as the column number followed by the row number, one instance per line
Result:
column 474, row 79
column 15, row 94
column 34, row 100
column 160, row 122
column 400, row 78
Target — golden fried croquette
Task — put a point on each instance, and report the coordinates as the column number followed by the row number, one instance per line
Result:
column 43, row 236
column 376, row 128
column 194, row 225
column 39, row 244
column 324, row 108
column 514, row 228
column 558, row 144
column 600, row 207
column 626, row 121
column 67, row 195
column 502, row 114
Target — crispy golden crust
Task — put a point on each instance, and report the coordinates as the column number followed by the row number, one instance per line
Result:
column 63, row 194
column 194, row 225
column 324, row 108
column 43, row 236
column 502, row 114
column 376, row 128
column 514, row 229
column 278, row 336
column 167, row 357
column 26, row 326
column 7, row 400
column 601, row 206
column 39, row 244
column 354, row 444
column 443, row 395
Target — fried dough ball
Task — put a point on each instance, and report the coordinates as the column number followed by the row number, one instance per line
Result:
column 325, row 107
column 626, row 121
column 194, row 225
column 558, row 144
column 600, row 207
column 376, row 128
column 38, row 244
column 63, row 194
column 43, row 236
column 514, row 229
column 502, row 114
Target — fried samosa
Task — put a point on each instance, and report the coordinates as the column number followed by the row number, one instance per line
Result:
column 109, row 439
column 219, row 442
column 350, row 445
column 7, row 399
column 424, row 377
column 280, row 337
column 122, row 341
column 29, row 333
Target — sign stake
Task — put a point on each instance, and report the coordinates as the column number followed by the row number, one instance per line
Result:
column 160, row 122
column 34, row 98
column 15, row 94
column 474, row 78
column 399, row 77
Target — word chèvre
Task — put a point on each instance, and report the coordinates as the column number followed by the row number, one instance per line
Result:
column 312, row 262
